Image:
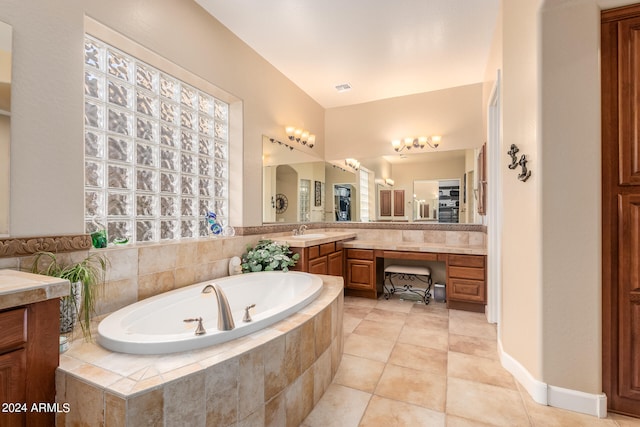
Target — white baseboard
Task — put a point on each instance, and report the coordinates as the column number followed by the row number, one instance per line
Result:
column 558, row 397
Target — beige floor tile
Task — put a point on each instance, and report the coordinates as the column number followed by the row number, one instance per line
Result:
column 425, row 337
column 356, row 311
column 360, row 302
column 423, row 358
column 359, row 373
column 474, row 326
column 395, row 304
column 479, row 369
column 485, row 403
column 427, row 319
column 473, row 345
column 433, row 307
column 383, row 412
column 339, row 407
column 387, row 331
column 368, row 347
column 413, row 386
column 624, row 421
column 386, row 316
column 349, row 323
column 454, row 421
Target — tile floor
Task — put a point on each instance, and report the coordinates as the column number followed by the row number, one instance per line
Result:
column 396, row 371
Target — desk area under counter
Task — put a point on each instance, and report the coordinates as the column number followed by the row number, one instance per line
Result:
column 465, row 268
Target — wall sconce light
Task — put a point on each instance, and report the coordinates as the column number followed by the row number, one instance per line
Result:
column 352, row 163
column 419, row 142
column 301, row 136
column 275, row 141
column 389, row 182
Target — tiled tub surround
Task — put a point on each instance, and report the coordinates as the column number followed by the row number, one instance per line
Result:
column 273, row 377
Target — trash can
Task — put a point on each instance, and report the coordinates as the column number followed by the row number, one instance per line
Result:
column 439, row 292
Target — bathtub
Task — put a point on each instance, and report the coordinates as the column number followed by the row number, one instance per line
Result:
column 156, row 325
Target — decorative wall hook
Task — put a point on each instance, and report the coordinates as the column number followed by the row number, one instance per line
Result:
column 514, row 159
column 525, row 173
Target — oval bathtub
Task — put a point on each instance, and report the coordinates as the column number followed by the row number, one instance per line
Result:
column 156, row 325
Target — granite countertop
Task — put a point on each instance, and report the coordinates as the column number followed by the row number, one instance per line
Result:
column 19, row 288
column 313, row 237
column 416, row 247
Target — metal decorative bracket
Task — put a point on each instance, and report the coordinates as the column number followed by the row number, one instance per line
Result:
column 514, row 159
column 525, row 174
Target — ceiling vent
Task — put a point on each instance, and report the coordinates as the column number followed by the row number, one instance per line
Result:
column 343, row 87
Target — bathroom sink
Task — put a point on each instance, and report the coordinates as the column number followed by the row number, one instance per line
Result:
column 309, row 236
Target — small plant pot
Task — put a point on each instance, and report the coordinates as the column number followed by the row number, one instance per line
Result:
column 70, row 307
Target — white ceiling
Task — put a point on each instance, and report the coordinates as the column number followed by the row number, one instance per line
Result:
column 382, row 48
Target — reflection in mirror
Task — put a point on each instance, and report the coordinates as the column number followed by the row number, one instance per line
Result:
column 299, row 187
column 408, row 186
column 5, row 124
column 293, row 184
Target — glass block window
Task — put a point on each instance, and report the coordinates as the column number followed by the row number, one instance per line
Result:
column 364, row 194
column 305, row 200
column 156, row 150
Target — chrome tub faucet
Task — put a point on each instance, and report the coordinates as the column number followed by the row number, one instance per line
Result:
column 225, row 318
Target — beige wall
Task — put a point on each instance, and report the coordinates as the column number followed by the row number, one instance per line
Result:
column 48, row 107
column 570, row 195
column 521, row 291
column 551, row 279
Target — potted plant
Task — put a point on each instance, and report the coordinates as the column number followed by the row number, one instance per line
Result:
column 268, row 255
column 85, row 276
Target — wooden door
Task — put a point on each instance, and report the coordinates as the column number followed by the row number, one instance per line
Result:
column 398, row 202
column 620, row 50
column 385, row 202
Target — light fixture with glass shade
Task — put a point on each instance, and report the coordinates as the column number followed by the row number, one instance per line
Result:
column 419, row 142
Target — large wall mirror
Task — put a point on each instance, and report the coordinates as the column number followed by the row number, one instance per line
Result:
column 5, row 125
column 299, row 186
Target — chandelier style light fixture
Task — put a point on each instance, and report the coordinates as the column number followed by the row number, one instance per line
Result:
column 419, row 142
column 352, row 163
column 301, row 136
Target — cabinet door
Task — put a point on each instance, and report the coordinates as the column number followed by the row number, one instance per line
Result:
column 360, row 274
column 334, row 262
column 398, row 202
column 13, row 367
column 385, row 202
column 318, row 265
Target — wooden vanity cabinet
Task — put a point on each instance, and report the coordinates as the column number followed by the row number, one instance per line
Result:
column 360, row 275
column 466, row 285
column 321, row 259
column 28, row 360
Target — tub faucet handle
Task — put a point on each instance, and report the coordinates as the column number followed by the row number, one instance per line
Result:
column 247, row 316
column 199, row 329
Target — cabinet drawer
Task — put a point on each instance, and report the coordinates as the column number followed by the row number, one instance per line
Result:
column 318, row 265
column 360, row 254
column 314, row 252
column 466, row 290
column 327, row 248
column 13, row 325
column 467, row 273
column 467, row 260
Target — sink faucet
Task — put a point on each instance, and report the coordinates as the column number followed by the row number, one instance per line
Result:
column 225, row 319
column 302, row 229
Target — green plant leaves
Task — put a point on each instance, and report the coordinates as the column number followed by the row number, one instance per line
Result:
column 268, row 255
